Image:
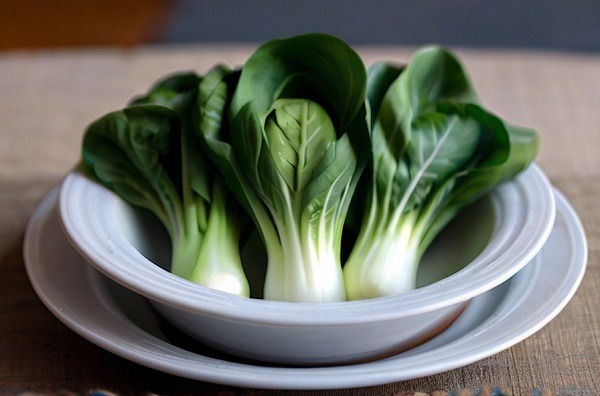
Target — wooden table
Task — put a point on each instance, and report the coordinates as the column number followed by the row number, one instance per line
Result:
column 47, row 99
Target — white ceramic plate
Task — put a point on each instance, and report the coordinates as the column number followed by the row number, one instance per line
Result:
column 122, row 322
column 118, row 241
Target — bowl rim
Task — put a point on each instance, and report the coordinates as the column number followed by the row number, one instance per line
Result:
column 527, row 200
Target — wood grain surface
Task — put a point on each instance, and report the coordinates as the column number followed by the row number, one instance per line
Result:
column 47, row 99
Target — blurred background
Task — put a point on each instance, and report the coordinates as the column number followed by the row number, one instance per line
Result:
column 572, row 25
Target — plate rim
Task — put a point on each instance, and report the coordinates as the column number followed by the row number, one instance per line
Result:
column 366, row 374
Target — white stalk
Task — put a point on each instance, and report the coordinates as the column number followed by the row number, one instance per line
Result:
column 386, row 264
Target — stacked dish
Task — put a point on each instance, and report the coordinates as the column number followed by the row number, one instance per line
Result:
column 501, row 271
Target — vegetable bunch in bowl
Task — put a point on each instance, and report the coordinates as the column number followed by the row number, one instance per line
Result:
column 305, row 147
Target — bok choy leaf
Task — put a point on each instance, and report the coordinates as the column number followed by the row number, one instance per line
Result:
column 149, row 154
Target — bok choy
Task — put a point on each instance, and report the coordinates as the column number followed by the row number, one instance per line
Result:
column 149, row 154
column 289, row 145
column 435, row 149
column 293, row 151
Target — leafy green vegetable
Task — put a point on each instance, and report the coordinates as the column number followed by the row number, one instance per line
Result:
column 292, row 153
column 435, row 150
column 149, row 154
column 284, row 141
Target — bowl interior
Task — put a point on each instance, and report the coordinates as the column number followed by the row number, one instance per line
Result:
column 457, row 245
column 483, row 247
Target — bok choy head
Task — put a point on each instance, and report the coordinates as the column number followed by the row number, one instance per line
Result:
column 149, row 154
column 435, row 149
column 297, row 142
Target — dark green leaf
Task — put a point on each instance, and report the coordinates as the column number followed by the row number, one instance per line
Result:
column 168, row 87
column 317, row 67
column 125, row 148
column 379, row 78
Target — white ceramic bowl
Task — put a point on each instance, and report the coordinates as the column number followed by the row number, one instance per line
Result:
column 482, row 248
